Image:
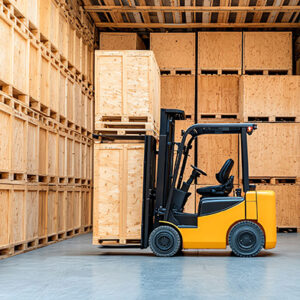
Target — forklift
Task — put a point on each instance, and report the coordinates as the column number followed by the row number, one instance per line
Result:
column 246, row 221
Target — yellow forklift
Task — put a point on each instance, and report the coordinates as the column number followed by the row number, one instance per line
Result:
column 246, row 222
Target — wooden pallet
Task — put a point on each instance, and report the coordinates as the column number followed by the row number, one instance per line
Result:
column 183, row 72
column 268, row 72
column 218, row 117
column 290, row 229
column 273, row 119
column 116, row 242
column 273, row 180
column 219, row 72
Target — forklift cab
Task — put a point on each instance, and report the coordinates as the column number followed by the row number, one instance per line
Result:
column 220, row 218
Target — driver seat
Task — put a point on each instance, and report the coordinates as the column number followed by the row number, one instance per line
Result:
column 226, row 182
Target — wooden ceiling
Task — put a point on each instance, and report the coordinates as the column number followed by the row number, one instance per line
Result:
column 181, row 14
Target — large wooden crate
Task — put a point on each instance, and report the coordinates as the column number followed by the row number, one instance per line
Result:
column 218, row 97
column 178, row 91
column 121, row 41
column 287, row 203
column 127, row 86
column 267, row 51
column 270, row 97
column 174, row 51
column 274, row 150
column 118, row 192
column 220, row 52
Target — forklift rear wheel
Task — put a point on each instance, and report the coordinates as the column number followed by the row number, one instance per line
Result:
column 246, row 239
column 165, row 241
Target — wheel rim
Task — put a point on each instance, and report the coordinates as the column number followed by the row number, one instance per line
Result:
column 164, row 241
column 246, row 240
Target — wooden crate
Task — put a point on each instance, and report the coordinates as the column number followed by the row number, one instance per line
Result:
column 174, row 51
column 213, row 151
column 119, row 93
column 220, row 52
column 178, row 92
column 218, row 97
column 287, row 203
column 121, row 41
column 274, row 98
column 267, row 51
column 274, row 150
column 118, row 192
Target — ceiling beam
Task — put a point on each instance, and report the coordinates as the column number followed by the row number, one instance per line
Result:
column 125, row 9
column 198, row 25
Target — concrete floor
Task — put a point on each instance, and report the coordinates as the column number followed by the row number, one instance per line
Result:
column 74, row 269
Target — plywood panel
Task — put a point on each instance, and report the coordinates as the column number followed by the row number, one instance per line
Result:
column 70, row 158
column 32, row 213
column 42, row 213
column 6, row 46
column 34, row 72
column 52, row 153
column 267, row 51
column 45, row 81
column 77, row 159
column 43, row 157
column 274, row 150
column 174, row 50
column 218, row 94
column 17, row 214
column 62, row 156
column 220, row 51
column 4, row 216
column 77, row 209
column 120, row 41
column 19, row 152
column 70, row 211
column 178, row 92
column 33, row 11
column 62, row 94
column 270, row 96
column 52, row 211
column 54, row 87
column 70, row 100
column 5, row 141
column 61, row 211
column 20, row 74
column 32, row 149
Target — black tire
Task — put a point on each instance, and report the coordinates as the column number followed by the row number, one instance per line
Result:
column 246, row 239
column 165, row 241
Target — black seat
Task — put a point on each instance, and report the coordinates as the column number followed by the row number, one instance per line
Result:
column 226, row 182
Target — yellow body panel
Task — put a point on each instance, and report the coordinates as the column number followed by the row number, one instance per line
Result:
column 266, row 207
column 212, row 230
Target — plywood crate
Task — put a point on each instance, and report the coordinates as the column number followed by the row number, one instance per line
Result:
column 174, row 51
column 218, row 97
column 220, row 52
column 287, row 203
column 273, row 98
column 274, row 150
column 121, row 41
column 118, row 192
column 267, row 51
column 178, row 91
column 213, row 151
column 127, row 87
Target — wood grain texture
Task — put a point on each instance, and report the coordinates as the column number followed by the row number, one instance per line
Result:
column 269, row 96
column 267, row 51
column 220, row 51
column 127, row 84
column 118, row 184
column 121, row 41
column 178, row 92
column 174, row 50
column 218, row 94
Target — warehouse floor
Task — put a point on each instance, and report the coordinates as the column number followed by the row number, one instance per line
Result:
column 74, row 269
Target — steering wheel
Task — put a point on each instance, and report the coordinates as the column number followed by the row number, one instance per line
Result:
column 198, row 170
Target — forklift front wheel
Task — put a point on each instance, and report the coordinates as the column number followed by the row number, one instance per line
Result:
column 246, row 239
column 165, row 241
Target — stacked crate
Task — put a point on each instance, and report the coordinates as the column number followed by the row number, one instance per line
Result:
column 127, row 85
column 46, row 123
column 175, row 54
column 121, row 41
column 273, row 103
